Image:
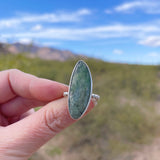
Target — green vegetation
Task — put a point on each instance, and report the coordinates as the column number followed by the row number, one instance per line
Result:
column 53, row 151
column 125, row 118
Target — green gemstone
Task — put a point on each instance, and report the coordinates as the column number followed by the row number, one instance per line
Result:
column 80, row 90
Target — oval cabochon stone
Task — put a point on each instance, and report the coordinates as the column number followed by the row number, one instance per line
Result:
column 80, row 90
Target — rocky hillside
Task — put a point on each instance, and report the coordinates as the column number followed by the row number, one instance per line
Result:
column 32, row 50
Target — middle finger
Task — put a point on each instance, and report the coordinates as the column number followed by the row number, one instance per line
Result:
column 19, row 105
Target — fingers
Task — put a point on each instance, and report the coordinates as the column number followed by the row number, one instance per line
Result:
column 31, row 91
column 6, row 92
column 29, row 86
column 14, row 119
column 36, row 129
column 19, row 105
column 14, row 82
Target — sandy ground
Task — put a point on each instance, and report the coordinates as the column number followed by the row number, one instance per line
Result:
column 148, row 152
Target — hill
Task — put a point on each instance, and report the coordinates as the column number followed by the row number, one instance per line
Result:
column 125, row 119
column 32, row 50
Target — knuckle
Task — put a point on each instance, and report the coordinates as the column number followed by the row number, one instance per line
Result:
column 13, row 70
column 53, row 121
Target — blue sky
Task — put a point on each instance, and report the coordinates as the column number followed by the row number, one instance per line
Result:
column 115, row 31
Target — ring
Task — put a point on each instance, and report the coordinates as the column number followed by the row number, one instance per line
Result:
column 94, row 96
column 80, row 90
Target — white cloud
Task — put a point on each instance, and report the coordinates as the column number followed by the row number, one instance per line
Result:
column 141, row 32
column 107, row 11
column 84, row 12
column 127, row 6
column 99, row 32
column 25, row 40
column 154, row 54
column 9, row 23
column 37, row 27
column 153, row 41
column 118, row 51
column 46, row 17
column 57, row 17
column 147, row 6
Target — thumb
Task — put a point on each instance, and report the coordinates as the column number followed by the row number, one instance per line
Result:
column 26, row 136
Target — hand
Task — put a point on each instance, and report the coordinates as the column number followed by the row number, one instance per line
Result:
column 22, row 131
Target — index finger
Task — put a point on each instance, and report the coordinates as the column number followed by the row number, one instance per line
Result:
column 17, row 83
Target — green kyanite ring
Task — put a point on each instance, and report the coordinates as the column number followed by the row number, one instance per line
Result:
column 80, row 90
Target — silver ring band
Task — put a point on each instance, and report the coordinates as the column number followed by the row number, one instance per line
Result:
column 94, row 96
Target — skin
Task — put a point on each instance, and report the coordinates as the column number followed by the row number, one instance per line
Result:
column 23, row 131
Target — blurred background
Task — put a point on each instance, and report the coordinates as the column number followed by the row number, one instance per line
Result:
column 120, row 41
